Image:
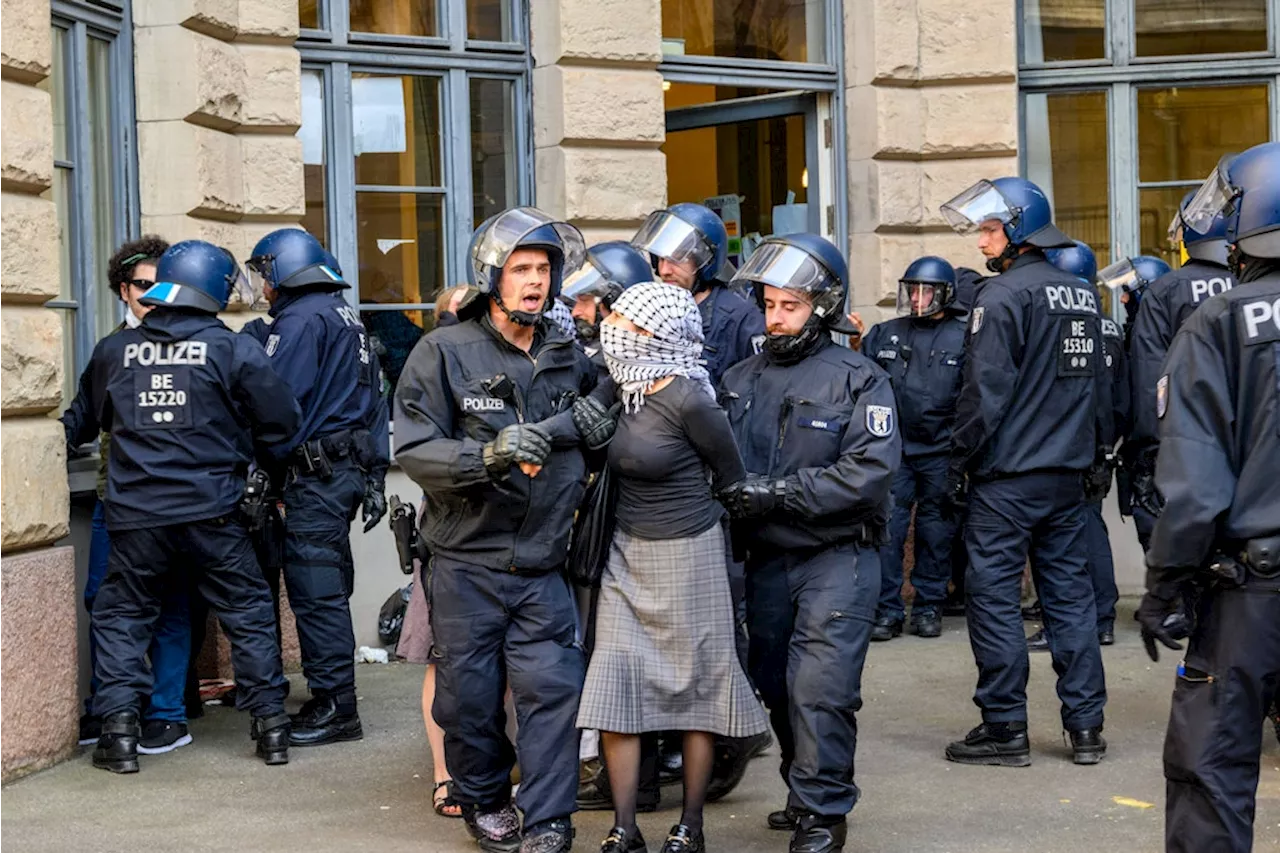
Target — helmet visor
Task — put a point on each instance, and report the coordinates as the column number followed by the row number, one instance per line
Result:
column 786, row 266
column 1175, row 230
column 507, row 232
column 243, row 291
column 1214, row 197
column 587, row 280
column 919, row 298
column 1120, row 277
column 260, row 275
column 980, row 203
column 665, row 235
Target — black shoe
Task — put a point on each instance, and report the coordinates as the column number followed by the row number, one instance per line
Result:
column 670, row 763
column 785, row 818
column 496, row 831
column 732, row 757
column 330, row 720
column 1106, row 638
column 1033, row 613
column 816, row 834
column 993, row 743
column 90, row 729
column 682, row 839
column 272, row 734
column 594, row 794
column 926, row 622
column 160, row 736
column 1038, row 642
column 548, row 836
column 886, row 628
column 308, row 708
column 620, row 840
column 1087, row 745
column 117, row 748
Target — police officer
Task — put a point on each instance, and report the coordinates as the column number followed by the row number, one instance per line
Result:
column 335, row 465
column 817, row 429
column 689, row 246
column 609, row 269
column 1168, row 302
column 188, row 404
column 491, row 415
column 1113, row 410
column 923, row 353
column 1025, row 432
column 1220, row 528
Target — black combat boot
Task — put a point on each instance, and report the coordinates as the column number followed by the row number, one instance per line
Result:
column 272, row 734
column 1001, row 744
column 117, row 748
column 1038, row 642
column 786, row 818
column 818, row 834
column 330, row 720
column 886, row 628
column 926, row 622
column 1087, row 745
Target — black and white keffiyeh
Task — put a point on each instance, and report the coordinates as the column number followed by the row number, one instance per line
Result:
column 636, row 361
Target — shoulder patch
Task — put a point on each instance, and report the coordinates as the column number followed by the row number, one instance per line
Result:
column 880, row 421
column 1162, row 395
column 272, row 344
column 757, row 343
column 976, row 324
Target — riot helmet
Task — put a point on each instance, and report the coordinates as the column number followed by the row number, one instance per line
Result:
column 1209, row 245
column 1127, row 280
column 501, row 235
column 198, row 276
column 1244, row 190
column 1077, row 260
column 292, row 259
column 1022, row 209
column 686, row 233
column 610, row 268
column 927, row 287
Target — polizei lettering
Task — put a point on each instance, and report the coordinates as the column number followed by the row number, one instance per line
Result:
column 151, row 354
column 1261, row 320
column 1064, row 298
column 482, row 404
column 1202, row 289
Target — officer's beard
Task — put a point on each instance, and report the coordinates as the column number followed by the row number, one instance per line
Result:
column 789, row 349
column 588, row 332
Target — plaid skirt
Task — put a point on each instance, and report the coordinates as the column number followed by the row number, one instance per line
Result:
column 664, row 656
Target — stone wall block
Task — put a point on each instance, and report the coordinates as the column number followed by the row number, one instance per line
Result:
column 30, row 360
column 598, row 104
column 609, row 30
column 212, row 182
column 216, row 18
column 26, row 146
column 273, row 94
column 29, row 261
column 960, row 120
column 606, row 184
column 273, row 186
column 34, row 502
column 962, row 39
column 183, row 74
column 273, row 22
column 26, row 41
column 38, row 599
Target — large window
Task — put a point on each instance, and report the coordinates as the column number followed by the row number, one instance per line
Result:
column 431, row 138
column 1129, row 104
column 94, row 179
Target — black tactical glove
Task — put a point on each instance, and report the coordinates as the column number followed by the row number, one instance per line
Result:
column 956, row 494
column 375, row 504
column 517, row 444
column 254, row 504
column 1161, row 600
column 754, row 497
column 1097, row 479
column 595, row 423
column 1143, row 484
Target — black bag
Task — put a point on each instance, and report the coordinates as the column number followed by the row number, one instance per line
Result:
column 593, row 531
column 391, row 616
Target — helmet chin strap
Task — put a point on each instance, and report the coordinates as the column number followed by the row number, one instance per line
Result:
column 1001, row 262
column 520, row 318
column 789, row 349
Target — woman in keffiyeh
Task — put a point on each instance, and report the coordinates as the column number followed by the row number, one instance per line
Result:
column 665, row 656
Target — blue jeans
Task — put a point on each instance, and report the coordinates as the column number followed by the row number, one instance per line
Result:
column 170, row 644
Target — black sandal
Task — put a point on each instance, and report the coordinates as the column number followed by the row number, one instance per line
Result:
column 440, row 804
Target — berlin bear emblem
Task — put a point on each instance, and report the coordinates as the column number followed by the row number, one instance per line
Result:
column 880, row 421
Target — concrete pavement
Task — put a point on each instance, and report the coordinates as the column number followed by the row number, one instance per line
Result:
column 375, row 795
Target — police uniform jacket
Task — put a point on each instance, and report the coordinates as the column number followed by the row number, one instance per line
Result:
column 924, row 359
column 732, row 328
column 826, row 424
column 319, row 346
column 450, row 403
column 1115, row 410
column 1027, row 401
column 1166, row 305
column 188, row 403
column 1220, row 428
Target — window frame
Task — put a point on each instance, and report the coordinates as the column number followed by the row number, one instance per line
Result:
column 113, row 25
column 1121, row 76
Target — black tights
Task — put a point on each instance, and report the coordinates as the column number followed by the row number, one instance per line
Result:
column 622, row 758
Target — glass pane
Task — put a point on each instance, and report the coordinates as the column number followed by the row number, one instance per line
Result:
column 1155, row 211
column 1164, row 28
column 313, row 154
column 779, row 30
column 1183, row 131
column 1067, row 157
column 489, row 20
column 57, row 84
column 400, row 240
column 394, row 17
column 101, row 166
column 493, row 148
column 397, row 130
column 1063, row 30
column 394, row 334
column 752, row 166
column 309, row 14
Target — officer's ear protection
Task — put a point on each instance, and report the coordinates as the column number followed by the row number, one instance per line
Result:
column 501, row 387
